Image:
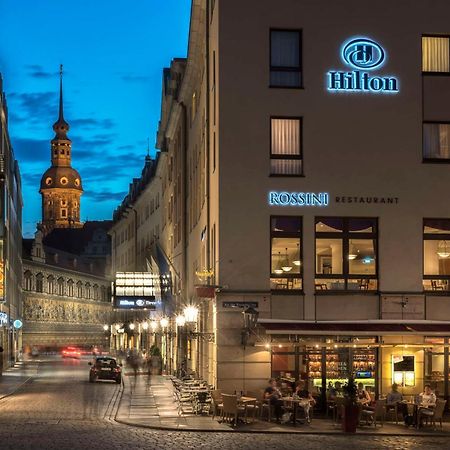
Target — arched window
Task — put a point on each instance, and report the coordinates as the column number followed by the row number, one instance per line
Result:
column 39, row 282
column 28, row 280
column 79, row 289
column 88, row 290
column 104, row 293
column 70, row 288
column 60, row 286
column 51, row 284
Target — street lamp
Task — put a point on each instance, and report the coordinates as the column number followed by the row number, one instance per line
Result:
column 131, row 326
column 250, row 323
column 106, row 327
column 145, row 325
column 164, row 322
column 191, row 314
column 180, row 320
column 154, row 325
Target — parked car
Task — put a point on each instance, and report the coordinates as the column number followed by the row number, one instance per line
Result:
column 105, row 368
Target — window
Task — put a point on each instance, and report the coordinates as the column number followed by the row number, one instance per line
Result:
column 436, row 141
column 436, row 54
column 28, row 280
column 63, row 212
column 50, row 284
column 39, row 282
column 285, row 58
column 70, row 288
column 436, row 254
column 285, row 146
column 285, row 249
column 88, row 290
column 346, row 254
column 61, row 286
column 79, row 289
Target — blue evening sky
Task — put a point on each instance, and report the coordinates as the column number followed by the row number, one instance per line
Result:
column 113, row 52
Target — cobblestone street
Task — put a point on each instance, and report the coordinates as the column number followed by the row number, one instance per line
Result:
column 59, row 409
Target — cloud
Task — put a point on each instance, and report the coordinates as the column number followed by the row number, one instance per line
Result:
column 37, row 71
column 102, row 196
column 92, row 124
column 35, row 107
column 135, row 78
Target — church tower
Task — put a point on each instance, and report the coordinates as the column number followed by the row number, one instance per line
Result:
column 61, row 187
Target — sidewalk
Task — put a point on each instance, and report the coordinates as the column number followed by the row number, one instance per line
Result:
column 16, row 376
column 149, row 402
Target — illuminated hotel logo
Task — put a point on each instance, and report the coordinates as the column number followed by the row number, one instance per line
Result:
column 362, row 54
column 298, row 199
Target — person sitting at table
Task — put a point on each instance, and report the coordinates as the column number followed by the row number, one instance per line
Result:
column 334, row 391
column 303, row 393
column 363, row 396
column 393, row 399
column 427, row 400
column 394, row 396
column 273, row 395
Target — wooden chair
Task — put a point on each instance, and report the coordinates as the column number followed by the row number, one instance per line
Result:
column 231, row 409
column 435, row 286
column 256, row 407
column 392, row 409
column 378, row 412
column 434, row 415
column 217, row 403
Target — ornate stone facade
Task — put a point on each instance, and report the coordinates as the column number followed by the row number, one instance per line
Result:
column 63, row 307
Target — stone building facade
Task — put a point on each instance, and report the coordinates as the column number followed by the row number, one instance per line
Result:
column 10, row 243
column 62, row 306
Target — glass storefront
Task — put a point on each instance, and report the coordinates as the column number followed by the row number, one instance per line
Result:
column 376, row 362
column 322, row 362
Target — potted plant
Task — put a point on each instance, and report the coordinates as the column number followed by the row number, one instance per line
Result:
column 351, row 409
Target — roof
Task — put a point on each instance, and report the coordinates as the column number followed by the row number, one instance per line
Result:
column 61, row 177
column 75, row 240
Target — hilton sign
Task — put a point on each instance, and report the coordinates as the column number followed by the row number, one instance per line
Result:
column 362, row 54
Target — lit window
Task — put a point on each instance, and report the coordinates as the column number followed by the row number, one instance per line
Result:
column 435, row 54
column 285, row 262
column 285, row 147
column 436, row 254
column 285, row 58
column 436, row 141
column 346, row 254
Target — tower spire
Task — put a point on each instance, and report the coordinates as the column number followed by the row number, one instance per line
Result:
column 61, row 127
column 61, row 104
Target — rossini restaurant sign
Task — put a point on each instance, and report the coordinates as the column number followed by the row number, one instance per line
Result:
column 276, row 198
column 363, row 56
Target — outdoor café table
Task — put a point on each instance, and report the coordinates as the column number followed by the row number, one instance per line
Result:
column 303, row 402
column 415, row 408
column 244, row 401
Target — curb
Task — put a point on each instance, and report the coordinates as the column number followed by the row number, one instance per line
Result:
column 296, row 433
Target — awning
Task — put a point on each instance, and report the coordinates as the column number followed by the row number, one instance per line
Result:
column 363, row 327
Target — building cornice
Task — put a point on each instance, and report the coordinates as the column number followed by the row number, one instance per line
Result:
column 50, row 267
column 196, row 32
